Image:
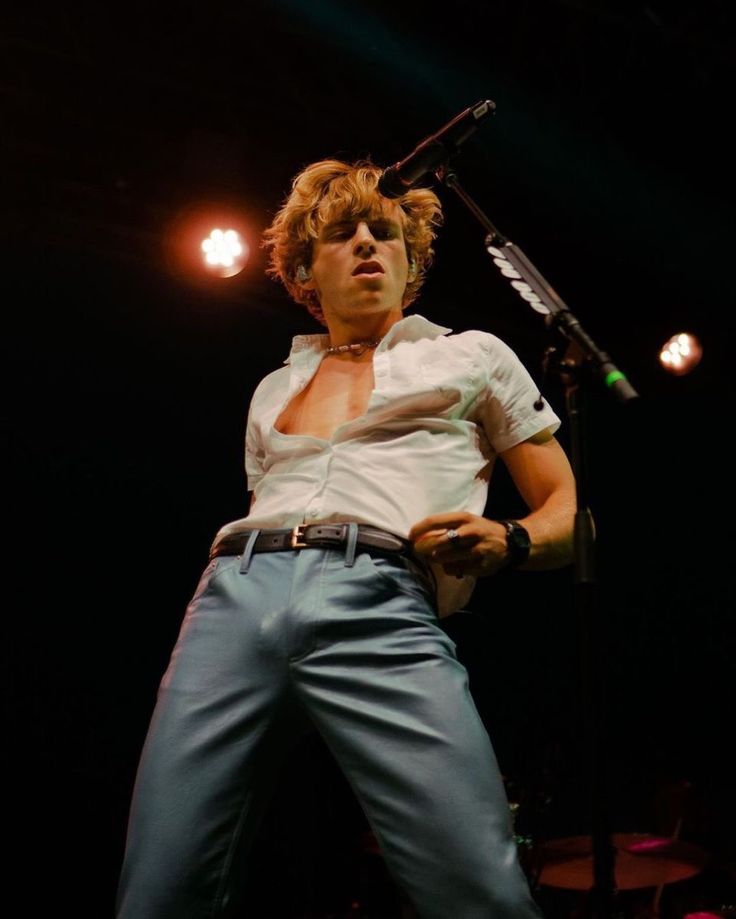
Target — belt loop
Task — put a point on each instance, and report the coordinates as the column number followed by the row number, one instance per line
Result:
column 248, row 551
column 350, row 544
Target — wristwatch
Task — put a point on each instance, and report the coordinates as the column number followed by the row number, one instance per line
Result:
column 518, row 543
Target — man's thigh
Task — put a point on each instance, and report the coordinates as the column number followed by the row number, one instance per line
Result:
column 383, row 685
column 223, row 721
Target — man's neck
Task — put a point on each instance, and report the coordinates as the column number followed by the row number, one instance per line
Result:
column 360, row 329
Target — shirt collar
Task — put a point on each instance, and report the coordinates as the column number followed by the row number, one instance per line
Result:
column 410, row 328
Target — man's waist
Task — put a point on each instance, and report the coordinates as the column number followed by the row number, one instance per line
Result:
column 312, row 535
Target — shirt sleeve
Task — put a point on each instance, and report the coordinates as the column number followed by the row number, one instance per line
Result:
column 254, row 451
column 510, row 408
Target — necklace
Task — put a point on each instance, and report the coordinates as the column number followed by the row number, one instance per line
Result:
column 358, row 348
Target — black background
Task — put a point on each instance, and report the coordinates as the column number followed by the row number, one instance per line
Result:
column 130, row 374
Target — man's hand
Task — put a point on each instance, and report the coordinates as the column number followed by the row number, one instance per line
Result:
column 479, row 549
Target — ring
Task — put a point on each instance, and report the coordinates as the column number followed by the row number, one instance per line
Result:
column 452, row 534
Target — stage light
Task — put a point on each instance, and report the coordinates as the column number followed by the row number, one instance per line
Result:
column 681, row 354
column 225, row 252
column 210, row 245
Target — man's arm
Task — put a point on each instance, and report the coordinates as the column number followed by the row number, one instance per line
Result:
column 542, row 474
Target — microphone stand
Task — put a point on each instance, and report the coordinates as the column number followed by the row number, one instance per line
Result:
column 583, row 362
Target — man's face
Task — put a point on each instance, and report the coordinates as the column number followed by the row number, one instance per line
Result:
column 359, row 264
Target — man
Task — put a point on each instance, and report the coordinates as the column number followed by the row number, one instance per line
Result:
column 369, row 457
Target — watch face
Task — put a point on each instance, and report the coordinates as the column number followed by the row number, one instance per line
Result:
column 518, row 537
column 517, row 541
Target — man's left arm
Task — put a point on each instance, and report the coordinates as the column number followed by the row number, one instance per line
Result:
column 541, row 472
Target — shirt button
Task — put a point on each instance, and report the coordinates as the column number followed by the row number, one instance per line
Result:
column 313, row 512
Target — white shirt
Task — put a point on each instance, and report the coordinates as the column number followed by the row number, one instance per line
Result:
column 441, row 410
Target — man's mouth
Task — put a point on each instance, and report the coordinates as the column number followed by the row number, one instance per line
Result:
column 368, row 268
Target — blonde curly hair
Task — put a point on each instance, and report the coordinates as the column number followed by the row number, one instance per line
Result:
column 330, row 189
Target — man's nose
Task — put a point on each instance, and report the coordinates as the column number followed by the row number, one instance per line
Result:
column 365, row 243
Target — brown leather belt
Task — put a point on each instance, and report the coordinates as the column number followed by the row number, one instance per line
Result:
column 314, row 535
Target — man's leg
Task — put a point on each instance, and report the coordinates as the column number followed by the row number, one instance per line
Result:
column 223, row 721
column 384, row 687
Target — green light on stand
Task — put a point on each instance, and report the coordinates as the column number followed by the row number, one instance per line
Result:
column 613, row 377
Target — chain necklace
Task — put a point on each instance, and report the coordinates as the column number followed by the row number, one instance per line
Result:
column 358, row 348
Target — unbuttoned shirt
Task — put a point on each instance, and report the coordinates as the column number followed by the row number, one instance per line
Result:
column 442, row 408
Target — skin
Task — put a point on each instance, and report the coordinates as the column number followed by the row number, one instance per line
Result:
column 365, row 306
column 541, row 472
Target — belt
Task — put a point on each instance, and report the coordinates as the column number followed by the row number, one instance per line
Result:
column 313, row 535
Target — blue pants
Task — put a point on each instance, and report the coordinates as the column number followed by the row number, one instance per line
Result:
column 357, row 651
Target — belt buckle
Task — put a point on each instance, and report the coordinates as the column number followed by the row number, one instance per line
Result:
column 297, row 534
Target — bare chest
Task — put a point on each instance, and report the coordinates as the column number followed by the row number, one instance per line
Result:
column 338, row 392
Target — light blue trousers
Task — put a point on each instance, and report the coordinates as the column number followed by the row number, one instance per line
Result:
column 300, row 639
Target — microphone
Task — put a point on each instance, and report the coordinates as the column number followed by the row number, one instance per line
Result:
column 433, row 152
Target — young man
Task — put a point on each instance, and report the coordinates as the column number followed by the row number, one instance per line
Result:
column 369, row 456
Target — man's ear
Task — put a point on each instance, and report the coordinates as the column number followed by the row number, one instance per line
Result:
column 304, row 277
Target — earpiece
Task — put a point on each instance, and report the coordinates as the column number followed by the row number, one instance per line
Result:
column 302, row 274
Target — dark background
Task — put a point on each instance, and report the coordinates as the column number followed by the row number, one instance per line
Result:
column 130, row 376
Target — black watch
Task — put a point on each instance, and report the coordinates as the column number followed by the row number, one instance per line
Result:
column 518, row 543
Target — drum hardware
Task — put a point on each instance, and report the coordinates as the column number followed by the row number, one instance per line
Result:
column 642, row 860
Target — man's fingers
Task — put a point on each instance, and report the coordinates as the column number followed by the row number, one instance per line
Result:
column 428, row 542
column 442, row 546
column 437, row 523
column 431, row 535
